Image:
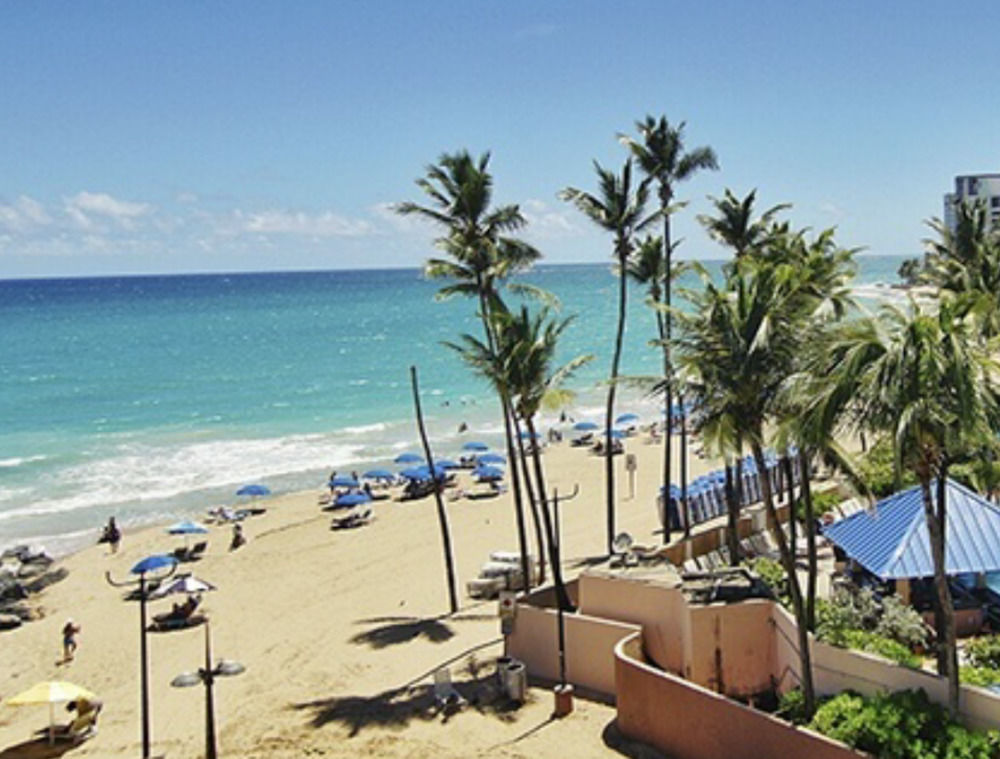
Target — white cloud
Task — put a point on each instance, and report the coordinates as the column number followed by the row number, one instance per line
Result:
column 83, row 204
column 297, row 223
column 186, row 198
column 546, row 222
column 23, row 214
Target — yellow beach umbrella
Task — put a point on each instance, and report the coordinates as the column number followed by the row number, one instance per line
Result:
column 51, row 692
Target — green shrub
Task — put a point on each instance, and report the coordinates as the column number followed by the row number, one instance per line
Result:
column 902, row 623
column 772, row 574
column 845, row 611
column 984, row 651
column 903, row 725
column 886, row 647
column 981, row 676
column 823, row 502
column 792, row 707
column 877, row 470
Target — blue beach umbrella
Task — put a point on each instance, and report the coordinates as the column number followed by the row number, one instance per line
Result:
column 154, row 562
column 187, row 527
column 379, row 474
column 408, row 458
column 474, row 445
column 254, row 490
column 489, row 473
column 446, row 463
column 422, row 472
column 616, row 434
column 352, row 499
column 343, row 481
column 526, row 435
column 627, row 419
column 492, row 458
column 585, row 426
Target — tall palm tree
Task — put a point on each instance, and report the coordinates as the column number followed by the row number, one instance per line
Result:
column 618, row 208
column 925, row 379
column 661, row 155
column 481, row 255
column 734, row 225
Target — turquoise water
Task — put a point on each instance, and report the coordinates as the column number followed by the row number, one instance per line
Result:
column 153, row 397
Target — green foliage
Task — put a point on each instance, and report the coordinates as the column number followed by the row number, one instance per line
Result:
column 874, row 643
column 901, row 623
column 911, row 270
column 984, row 651
column 823, row 502
column 772, row 574
column 981, row 676
column 844, row 612
column 877, row 470
column 792, row 707
column 903, row 725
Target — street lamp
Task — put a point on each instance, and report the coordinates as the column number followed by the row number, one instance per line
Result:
column 207, row 675
column 151, row 564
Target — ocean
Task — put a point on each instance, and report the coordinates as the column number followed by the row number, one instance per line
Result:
column 155, row 397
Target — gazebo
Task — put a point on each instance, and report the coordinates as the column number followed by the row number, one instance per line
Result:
column 891, row 540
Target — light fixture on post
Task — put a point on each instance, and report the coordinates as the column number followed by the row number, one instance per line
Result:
column 207, row 675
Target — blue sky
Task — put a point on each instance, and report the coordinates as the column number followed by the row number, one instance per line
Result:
column 229, row 136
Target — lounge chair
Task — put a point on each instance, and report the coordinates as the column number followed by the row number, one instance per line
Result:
column 582, row 440
column 356, row 517
column 179, row 617
column 191, row 554
column 448, row 699
column 80, row 729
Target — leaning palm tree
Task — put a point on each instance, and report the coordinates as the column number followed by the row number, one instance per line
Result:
column 924, row 379
column 661, row 155
column 481, row 254
column 734, row 224
column 618, row 208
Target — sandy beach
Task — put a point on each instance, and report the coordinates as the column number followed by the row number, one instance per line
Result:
column 340, row 632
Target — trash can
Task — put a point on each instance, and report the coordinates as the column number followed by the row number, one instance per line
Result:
column 516, row 681
column 502, row 663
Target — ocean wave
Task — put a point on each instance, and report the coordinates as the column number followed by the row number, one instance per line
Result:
column 363, row 429
column 17, row 461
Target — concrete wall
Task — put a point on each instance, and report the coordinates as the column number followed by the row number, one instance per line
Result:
column 684, row 720
column 590, row 646
column 731, row 647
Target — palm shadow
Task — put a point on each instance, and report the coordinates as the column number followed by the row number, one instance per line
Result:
column 397, row 707
column 397, row 630
column 587, row 561
column 37, row 748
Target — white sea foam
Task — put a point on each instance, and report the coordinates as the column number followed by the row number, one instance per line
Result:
column 17, row 461
column 363, row 429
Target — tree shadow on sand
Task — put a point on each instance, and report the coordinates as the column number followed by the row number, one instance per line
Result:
column 396, row 630
column 38, row 748
column 397, row 707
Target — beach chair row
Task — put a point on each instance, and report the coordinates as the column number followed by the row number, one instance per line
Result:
column 758, row 544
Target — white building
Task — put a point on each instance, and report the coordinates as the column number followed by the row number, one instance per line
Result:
column 972, row 187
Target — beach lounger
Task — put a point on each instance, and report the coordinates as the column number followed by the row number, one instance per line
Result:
column 178, row 619
column 80, row 729
column 445, row 696
column 357, row 517
column 691, row 565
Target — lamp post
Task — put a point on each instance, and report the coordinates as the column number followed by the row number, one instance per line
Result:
column 564, row 691
column 147, row 565
column 207, row 675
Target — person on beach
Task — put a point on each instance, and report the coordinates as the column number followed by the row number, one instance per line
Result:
column 113, row 535
column 69, row 633
column 238, row 538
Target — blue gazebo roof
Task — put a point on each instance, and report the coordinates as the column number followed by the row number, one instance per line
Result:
column 891, row 540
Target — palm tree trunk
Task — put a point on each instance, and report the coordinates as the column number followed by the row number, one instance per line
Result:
column 733, row 518
column 946, row 637
column 667, row 371
column 609, row 468
column 533, row 502
column 795, row 591
column 806, row 495
column 786, row 466
column 555, row 561
column 449, row 562
column 684, row 467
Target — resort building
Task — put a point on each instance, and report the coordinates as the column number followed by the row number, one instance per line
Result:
column 972, row 187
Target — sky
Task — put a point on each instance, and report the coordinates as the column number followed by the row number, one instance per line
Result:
column 248, row 136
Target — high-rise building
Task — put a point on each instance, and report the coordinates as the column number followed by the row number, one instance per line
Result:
column 985, row 187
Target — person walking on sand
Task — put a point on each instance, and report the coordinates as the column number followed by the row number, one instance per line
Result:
column 69, row 633
column 113, row 534
column 238, row 538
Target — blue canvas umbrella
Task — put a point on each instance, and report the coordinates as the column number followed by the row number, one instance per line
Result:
column 422, row 472
column 526, row 435
column 343, row 481
column 154, row 562
column 446, row 463
column 187, row 527
column 585, row 426
column 379, row 474
column 627, row 418
column 492, row 458
column 474, row 445
column 408, row 458
column 254, row 490
column 489, row 473
column 352, row 499
column 617, row 434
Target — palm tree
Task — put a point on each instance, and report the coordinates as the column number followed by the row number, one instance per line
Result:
column 481, row 255
column 619, row 209
column 734, row 225
column 661, row 155
column 925, row 379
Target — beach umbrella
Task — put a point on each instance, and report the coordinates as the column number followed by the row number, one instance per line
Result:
column 585, row 426
column 254, row 490
column 492, row 458
column 408, row 458
column 627, row 419
column 423, row 472
column 617, row 434
column 51, row 692
column 185, row 584
column 489, row 473
column 352, row 499
column 154, row 562
column 186, row 528
column 526, row 435
column 379, row 474
column 343, row 481
column 474, row 445
column 446, row 463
